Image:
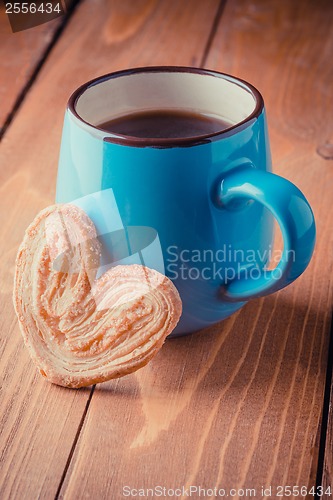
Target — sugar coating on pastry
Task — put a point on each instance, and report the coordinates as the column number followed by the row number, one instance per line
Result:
column 80, row 330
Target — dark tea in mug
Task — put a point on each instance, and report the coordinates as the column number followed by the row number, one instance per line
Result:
column 165, row 124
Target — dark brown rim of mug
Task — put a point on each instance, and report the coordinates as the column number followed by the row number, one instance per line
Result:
column 166, row 142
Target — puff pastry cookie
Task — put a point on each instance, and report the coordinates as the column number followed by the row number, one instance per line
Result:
column 80, row 330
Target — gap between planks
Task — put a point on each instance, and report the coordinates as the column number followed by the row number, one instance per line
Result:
column 212, row 33
column 76, row 438
column 323, row 478
column 25, row 89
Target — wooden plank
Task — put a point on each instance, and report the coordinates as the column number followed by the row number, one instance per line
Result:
column 239, row 405
column 40, row 421
column 284, row 49
column 20, row 54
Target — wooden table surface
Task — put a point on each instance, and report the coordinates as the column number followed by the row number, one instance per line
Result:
column 243, row 404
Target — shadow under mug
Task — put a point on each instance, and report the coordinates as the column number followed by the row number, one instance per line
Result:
column 209, row 199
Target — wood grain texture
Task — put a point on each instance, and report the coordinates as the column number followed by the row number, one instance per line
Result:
column 39, row 422
column 288, row 62
column 20, row 53
column 238, row 405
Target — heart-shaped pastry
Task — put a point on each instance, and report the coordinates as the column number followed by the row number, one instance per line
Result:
column 80, row 330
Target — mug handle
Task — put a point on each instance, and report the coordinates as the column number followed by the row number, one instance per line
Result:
column 294, row 215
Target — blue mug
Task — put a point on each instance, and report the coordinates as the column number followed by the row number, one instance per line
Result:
column 203, row 206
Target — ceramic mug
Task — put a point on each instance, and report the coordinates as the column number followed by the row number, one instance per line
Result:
column 209, row 200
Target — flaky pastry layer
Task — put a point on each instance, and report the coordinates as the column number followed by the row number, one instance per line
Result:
column 80, row 330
